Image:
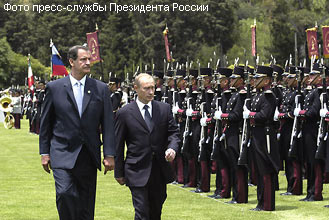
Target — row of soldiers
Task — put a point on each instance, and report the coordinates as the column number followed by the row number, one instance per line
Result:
column 246, row 125
column 29, row 104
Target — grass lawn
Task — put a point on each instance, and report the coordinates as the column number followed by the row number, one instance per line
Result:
column 27, row 192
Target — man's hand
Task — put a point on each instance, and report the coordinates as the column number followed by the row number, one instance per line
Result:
column 170, row 155
column 121, row 180
column 108, row 163
column 45, row 162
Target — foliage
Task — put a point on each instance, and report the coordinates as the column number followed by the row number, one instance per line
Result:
column 131, row 38
column 13, row 66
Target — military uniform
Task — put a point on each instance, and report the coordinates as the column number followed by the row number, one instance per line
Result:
column 292, row 164
column 263, row 140
column 310, row 115
column 232, row 120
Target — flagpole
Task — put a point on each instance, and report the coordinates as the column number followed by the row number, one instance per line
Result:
column 51, row 56
column 100, row 54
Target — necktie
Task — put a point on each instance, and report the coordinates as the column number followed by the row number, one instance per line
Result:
column 78, row 97
column 147, row 117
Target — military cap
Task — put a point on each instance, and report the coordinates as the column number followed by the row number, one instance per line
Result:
column 180, row 73
column 158, row 73
column 278, row 71
column 237, row 72
column 170, row 73
column 286, row 71
column 224, row 72
column 316, row 69
column 194, row 73
column 264, row 71
column 114, row 80
column 205, row 71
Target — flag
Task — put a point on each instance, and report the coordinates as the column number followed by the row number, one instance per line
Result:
column 325, row 35
column 165, row 35
column 312, row 43
column 57, row 65
column 92, row 41
column 253, row 40
column 30, row 78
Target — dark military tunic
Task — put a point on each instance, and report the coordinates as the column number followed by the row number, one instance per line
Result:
column 263, row 105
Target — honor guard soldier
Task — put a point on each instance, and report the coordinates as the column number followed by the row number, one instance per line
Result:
column 219, row 152
column 159, row 89
column 324, row 114
column 177, row 109
column 286, row 117
column 190, row 145
column 310, row 113
column 263, row 138
column 38, row 100
column 115, row 95
column 232, row 120
column 204, row 101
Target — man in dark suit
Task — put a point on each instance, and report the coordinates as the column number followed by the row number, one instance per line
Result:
column 76, row 109
column 148, row 129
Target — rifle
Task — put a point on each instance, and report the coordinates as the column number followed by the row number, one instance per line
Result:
column 296, row 128
column 217, row 131
column 218, row 123
column 174, row 94
column 127, row 85
column 323, row 129
column 245, row 139
column 164, row 98
column 202, row 141
column 187, row 131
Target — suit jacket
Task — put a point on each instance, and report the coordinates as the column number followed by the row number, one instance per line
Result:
column 63, row 132
column 142, row 144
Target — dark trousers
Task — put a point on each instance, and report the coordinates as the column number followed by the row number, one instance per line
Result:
column 76, row 188
column 17, row 117
column 266, row 192
column 148, row 200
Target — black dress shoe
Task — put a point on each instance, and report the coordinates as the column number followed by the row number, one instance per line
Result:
column 218, row 197
column 232, row 202
column 213, row 195
column 326, row 206
column 197, row 190
column 304, row 199
column 257, row 209
column 286, row 194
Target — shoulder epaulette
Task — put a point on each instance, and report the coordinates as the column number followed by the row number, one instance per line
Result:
column 268, row 91
column 242, row 91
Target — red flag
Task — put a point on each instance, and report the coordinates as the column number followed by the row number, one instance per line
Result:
column 253, row 40
column 92, row 40
column 312, row 43
column 30, row 77
column 165, row 35
column 325, row 35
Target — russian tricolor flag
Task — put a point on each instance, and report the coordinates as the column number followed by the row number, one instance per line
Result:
column 57, row 65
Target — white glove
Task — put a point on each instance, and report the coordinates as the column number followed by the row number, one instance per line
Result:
column 218, row 115
column 175, row 109
column 189, row 112
column 276, row 115
column 203, row 121
column 323, row 112
column 246, row 112
column 296, row 112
